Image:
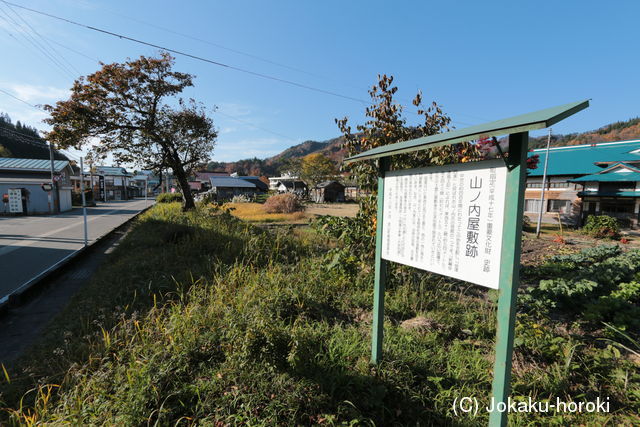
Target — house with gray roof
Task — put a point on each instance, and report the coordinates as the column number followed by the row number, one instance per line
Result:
column 226, row 187
column 26, row 186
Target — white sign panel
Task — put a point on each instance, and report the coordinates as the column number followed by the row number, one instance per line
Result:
column 15, row 200
column 447, row 219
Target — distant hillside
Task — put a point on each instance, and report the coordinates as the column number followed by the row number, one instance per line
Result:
column 22, row 141
column 618, row 131
column 272, row 166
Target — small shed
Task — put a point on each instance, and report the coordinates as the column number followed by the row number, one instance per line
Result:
column 292, row 186
column 225, row 187
column 328, row 191
column 26, row 181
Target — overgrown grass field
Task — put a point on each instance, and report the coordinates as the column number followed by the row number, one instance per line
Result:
column 254, row 212
column 200, row 318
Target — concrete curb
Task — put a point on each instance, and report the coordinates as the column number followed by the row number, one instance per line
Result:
column 33, row 285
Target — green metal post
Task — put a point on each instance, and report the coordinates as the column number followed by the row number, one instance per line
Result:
column 509, row 272
column 380, row 273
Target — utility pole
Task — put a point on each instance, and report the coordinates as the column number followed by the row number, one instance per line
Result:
column 146, row 190
column 84, row 202
column 52, row 193
column 93, row 195
column 544, row 185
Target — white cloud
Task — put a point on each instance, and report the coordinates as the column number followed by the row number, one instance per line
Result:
column 226, row 130
column 234, row 109
column 38, row 94
column 228, row 151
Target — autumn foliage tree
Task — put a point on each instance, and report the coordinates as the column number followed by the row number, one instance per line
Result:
column 387, row 125
column 315, row 168
column 125, row 108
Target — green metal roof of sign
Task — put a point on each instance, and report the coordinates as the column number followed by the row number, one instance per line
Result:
column 525, row 122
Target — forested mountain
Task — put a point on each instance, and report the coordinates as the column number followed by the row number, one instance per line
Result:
column 22, row 141
column 618, row 131
column 272, row 166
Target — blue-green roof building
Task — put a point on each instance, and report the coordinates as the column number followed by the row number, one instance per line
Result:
column 592, row 179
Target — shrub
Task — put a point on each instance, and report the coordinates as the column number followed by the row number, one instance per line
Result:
column 283, row 203
column 169, row 197
column 601, row 226
column 240, row 198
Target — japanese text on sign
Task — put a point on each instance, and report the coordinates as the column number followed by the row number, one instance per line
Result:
column 447, row 219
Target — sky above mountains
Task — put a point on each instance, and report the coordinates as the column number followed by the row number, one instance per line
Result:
column 295, row 66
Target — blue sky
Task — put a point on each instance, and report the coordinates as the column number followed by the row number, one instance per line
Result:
column 480, row 60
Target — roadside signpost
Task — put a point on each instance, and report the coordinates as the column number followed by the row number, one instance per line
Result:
column 15, row 200
column 461, row 220
column 84, row 203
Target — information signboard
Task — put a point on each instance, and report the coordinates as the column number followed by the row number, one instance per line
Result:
column 101, row 187
column 447, row 219
column 15, row 200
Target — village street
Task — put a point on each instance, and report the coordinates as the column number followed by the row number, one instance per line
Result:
column 29, row 245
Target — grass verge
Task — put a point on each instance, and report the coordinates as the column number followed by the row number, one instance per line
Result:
column 200, row 318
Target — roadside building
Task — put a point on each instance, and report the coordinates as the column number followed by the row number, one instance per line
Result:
column 138, row 185
column 204, row 179
column 258, row 181
column 25, row 183
column 615, row 192
column 292, row 186
column 328, row 191
column 583, row 179
column 276, row 181
column 113, row 183
column 226, row 187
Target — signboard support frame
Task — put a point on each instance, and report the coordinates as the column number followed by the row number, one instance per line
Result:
column 380, row 279
column 509, row 272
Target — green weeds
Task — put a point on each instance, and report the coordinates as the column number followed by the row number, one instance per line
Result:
column 199, row 318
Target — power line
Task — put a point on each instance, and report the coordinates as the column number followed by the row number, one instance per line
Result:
column 196, row 57
column 218, row 45
column 28, row 37
column 18, row 99
column 255, row 126
column 260, row 58
column 62, row 58
column 203, row 59
column 73, row 50
column 218, row 112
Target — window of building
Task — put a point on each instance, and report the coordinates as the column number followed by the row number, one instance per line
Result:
column 617, row 187
column 558, row 184
column 562, row 206
column 532, row 205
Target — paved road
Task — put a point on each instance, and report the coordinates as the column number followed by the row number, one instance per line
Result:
column 30, row 245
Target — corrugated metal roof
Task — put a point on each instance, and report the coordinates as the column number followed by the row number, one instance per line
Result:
column 581, row 159
column 39, row 165
column 112, row 171
column 230, row 182
column 255, row 180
